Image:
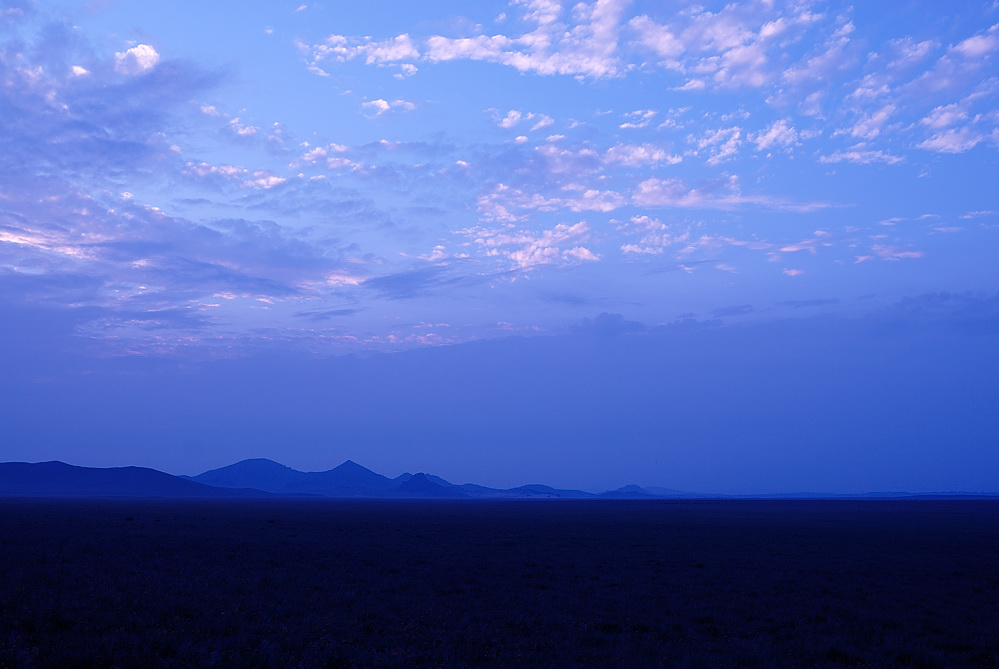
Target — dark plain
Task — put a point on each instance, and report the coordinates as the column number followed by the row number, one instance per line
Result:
column 324, row 583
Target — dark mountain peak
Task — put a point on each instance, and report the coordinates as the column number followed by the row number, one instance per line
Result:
column 259, row 473
column 59, row 479
column 633, row 488
column 628, row 492
column 351, row 474
column 252, row 465
column 419, row 485
column 350, row 466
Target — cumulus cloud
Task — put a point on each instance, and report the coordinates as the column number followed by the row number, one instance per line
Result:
column 953, row 140
column 654, row 236
column 525, row 249
column 514, row 118
column 508, row 204
column 585, row 44
column 341, row 48
column 780, row 134
column 740, row 45
column 639, row 118
column 379, row 106
column 639, row 155
column 720, row 145
column 138, row 60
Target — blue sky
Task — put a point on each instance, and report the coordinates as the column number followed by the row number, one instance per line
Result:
column 215, row 187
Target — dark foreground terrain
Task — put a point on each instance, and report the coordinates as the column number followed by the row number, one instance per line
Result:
column 264, row 583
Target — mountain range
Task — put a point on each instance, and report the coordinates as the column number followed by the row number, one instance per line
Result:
column 262, row 478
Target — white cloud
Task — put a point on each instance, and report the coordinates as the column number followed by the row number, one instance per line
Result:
column 515, row 117
column 379, row 107
column 655, row 236
column 720, row 194
column 870, row 125
column 895, row 253
column 206, row 169
column 542, row 122
column 954, row 140
column 721, row 145
column 526, row 249
column 587, row 48
column 639, row 155
column 945, row 116
column 780, row 134
column 507, row 204
column 861, row 155
column 138, row 60
column 638, row 119
column 659, row 39
column 263, row 179
column 340, row 48
column 980, row 45
column 511, row 119
column 739, row 45
column 241, row 129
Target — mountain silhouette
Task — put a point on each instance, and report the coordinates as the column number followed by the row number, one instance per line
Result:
column 421, row 485
column 262, row 478
column 57, row 479
column 347, row 480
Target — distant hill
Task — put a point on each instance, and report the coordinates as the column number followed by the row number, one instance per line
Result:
column 421, row 486
column 262, row 478
column 347, row 480
column 57, row 479
column 352, row 480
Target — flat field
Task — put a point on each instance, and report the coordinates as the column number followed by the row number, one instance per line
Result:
column 140, row 583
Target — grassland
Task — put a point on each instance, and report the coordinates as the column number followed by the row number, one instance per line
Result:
column 314, row 583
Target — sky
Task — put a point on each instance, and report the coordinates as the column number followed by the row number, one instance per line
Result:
column 738, row 248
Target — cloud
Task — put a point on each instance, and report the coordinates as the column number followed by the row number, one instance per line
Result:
column 410, row 283
column 341, row 48
column 894, row 253
column 139, row 59
column 740, row 310
column 718, row 194
column 953, row 140
column 861, row 155
column 654, row 236
column 802, row 304
column 780, row 134
column 587, row 46
column 832, row 58
column 379, row 106
column 739, row 45
column 608, row 325
column 514, row 117
column 508, row 204
column 974, row 312
column 721, row 145
column 870, row 125
column 639, row 155
column 526, row 249
column 640, row 118
column 945, row 116
column 978, row 46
